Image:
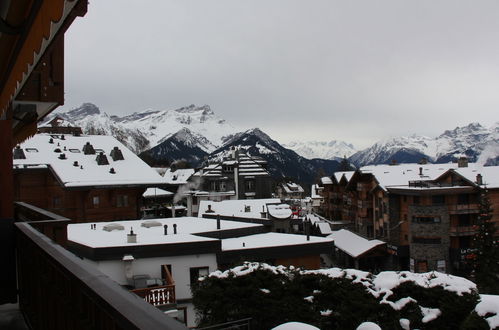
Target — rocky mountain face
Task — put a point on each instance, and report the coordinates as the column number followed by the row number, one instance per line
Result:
column 144, row 130
column 195, row 133
column 474, row 141
column 282, row 162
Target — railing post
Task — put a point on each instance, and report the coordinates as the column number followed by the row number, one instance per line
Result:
column 8, row 285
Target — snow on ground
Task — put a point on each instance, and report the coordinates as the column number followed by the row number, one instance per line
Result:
column 368, row 326
column 489, row 304
column 295, row 326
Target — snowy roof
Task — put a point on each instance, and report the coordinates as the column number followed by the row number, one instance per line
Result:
column 281, row 211
column 269, row 240
column 179, row 176
column 291, row 187
column 400, row 175
column 314, row 191
column 247, row 166
column 156, row 192
column 353, row 244
column 238, row 208
column 347, row 174
column 490, row 174
column 148, row 232
column 325, row 228
column 393, row 176
column 326, row 180
column 79, row 170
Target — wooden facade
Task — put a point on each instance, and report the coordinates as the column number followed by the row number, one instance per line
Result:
column 40, row 188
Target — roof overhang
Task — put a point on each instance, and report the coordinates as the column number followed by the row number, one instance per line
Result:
column 32, row 59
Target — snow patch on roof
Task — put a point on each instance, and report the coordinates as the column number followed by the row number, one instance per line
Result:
column 353, row 244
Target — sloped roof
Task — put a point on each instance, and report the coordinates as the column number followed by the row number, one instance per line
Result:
column 490, row 174
column 180, row 176
column 347, row 174
column 291, row 187
column 130, row 171
column 326, row 180
column 156, row 192
column 353, row 244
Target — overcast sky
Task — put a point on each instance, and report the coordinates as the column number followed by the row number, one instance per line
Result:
column 357, row 71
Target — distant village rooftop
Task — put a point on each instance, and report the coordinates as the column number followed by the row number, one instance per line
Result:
column 242, row 208
column 86, row 160
column 149, row 232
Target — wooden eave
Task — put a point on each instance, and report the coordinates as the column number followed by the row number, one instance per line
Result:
column 31, row 59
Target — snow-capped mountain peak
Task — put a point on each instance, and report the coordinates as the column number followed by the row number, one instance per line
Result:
column 333, row 149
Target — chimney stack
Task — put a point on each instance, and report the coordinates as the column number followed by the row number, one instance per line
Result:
column 131, row 237
column 19, row 153
column 116, row 154
column 307, row 228
column 88, row 149
column 166, row 229
column 218, row 221
column 462, row 162
column 174, row 228
column 420, row 171
column 101, row 159
column 479, row 179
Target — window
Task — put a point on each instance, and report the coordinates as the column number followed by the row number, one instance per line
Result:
column 426, row 240
column 463, row 199
column 74, row 150
column 95, row 201
column 197, row 272
column 31, row 150
column 122, row 201
column 438, row 199
column 250, row 185
column 215, row 186
column 426, row 219
column 415, row 200
column 56, row 201
column 464, row 220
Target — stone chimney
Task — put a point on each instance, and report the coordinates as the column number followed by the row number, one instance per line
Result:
column 462, row 162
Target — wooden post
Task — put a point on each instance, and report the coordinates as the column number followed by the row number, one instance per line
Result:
column 8, row 286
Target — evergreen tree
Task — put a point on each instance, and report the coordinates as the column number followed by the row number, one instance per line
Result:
column 486, row 261
column 345, row 165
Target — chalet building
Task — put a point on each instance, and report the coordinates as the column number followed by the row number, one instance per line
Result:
column 316, row 196
column 425, row 212
column 160, row 259
column 290, row 190
column 239, row 176
column 83, row 178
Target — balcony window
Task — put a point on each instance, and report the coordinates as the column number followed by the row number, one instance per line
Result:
column 426, row 219
column 95, row 201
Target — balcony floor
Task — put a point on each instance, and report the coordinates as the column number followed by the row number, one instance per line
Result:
column 11, row 318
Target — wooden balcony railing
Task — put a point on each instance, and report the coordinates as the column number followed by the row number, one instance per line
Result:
column 57, row 290
column 158, row 295
column 463, row 230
